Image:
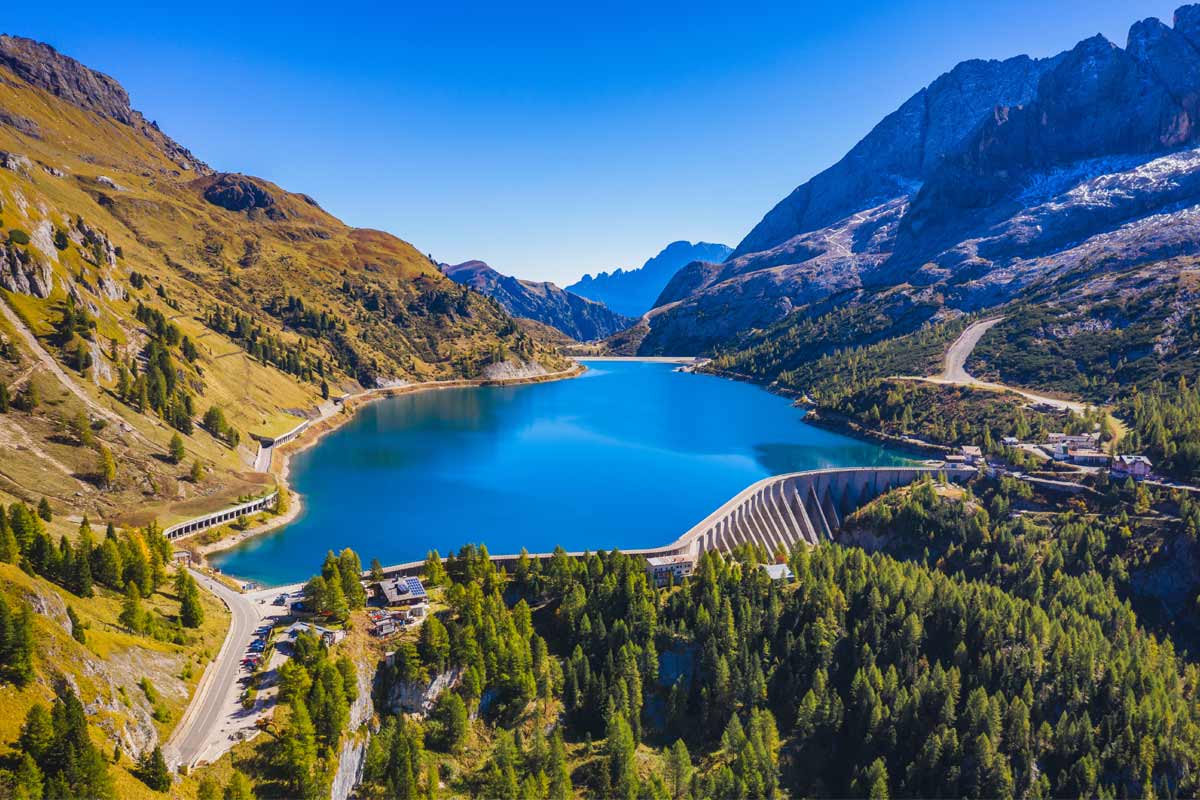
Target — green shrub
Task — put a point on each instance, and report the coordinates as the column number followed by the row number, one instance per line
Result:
column 18, row 236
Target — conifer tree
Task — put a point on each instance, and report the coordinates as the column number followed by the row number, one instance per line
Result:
column 176, row 449
column 108, row 467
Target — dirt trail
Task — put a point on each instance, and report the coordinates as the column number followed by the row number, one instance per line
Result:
column 47, row 361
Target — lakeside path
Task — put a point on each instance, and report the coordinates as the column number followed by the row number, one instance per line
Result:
column 330, row 417
column 954, row 370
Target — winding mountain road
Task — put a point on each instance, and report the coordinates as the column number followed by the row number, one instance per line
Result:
column 954, row 369
column 200, row 728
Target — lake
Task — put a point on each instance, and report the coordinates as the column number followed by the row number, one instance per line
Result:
column 630, row 454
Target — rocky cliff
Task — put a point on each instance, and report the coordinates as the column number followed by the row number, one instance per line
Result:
column 996, row 180
column 582, row 319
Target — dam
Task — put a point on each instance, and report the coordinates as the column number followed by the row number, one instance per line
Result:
column 777, row 514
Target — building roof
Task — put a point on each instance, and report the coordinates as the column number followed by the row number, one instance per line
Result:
column 971, row 450
column 1129, row 460
column 666, row 561
column 403, row 590
column 778, row 572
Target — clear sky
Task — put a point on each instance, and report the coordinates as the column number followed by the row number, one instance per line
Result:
column 547, row 139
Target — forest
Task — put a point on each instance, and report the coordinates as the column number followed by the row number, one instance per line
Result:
column 982, row 652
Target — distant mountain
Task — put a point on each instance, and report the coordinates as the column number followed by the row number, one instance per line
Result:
column 999, row 180
column 634, row 292
column 578, row 317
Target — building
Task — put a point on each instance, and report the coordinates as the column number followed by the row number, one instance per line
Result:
column 1087, row 457
column 384, row 627
column 972, row 454
column 662, row 568
column 329, row 636
column 1136, row 467
column 1089, row 441
column 778, row 572
column 403, row 591
column 1010, row 441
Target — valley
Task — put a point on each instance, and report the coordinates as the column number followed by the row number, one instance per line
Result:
column 899, row 497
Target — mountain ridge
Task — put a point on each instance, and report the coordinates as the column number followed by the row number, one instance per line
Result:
column 542, row 301
column 633, row 292
column 1036, row 169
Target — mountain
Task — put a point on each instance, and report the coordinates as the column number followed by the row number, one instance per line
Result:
column 578, row 317
column 634, row 292
column 998, row 182
column 140, row 288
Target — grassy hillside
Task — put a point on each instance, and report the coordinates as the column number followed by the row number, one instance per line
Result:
column 109, row 671
column 120, row 254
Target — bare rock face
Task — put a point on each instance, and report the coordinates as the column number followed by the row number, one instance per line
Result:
column 902, row 150
column 24, row 273
column 996, row 180
column 239, row 193
column 43, row 67
column 19, row 123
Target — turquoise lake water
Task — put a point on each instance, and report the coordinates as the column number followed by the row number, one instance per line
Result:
column 631, row 454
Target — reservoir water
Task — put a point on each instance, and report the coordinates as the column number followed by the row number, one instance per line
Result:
column 630, row 454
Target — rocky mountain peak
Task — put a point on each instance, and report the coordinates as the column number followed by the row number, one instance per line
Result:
column 1187, row 22
column 40, row 65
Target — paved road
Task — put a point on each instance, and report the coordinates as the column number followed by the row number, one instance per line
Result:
column 202, row 720
column 954, row 369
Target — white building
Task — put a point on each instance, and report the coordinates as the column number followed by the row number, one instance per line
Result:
column 662, row 568
column 778, row 572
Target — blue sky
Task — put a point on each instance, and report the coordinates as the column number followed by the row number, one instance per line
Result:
column 547, row 139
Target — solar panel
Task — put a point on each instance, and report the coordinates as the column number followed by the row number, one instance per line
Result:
column 414, row 587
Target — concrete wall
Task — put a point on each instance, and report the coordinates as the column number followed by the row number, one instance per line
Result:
column 220, row 517
column 777, row 513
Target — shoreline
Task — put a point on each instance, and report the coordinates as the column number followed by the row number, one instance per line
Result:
column 337, row 416
column 647, row 359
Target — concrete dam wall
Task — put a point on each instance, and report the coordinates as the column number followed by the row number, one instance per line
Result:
column 784, row 511
column 776, row 513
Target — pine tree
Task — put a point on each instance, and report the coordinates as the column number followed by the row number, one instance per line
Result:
column 44, row 511
column 4, row 399
column 679, row 769
column 18, row 658
column 78, row 632
column 81, row 429
column 132, row 616
column 108, row 468
column 197, row 472
column 451, row 713
column 622, row 765
column 560, row 775
column 191, row 610
column 10, row 551
column 152, row 770
column 238, row 787
column 176, row 448
column 299, row 751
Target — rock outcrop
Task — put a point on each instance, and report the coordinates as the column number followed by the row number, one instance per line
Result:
column 240, row 193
